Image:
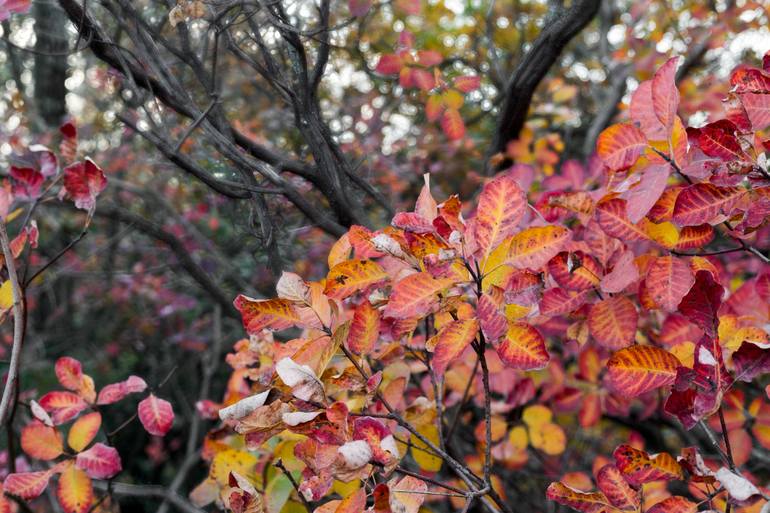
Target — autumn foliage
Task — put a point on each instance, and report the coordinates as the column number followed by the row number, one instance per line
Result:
column 639, row 295
column 458, row 358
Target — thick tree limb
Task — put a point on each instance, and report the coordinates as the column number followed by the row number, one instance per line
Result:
column 563, row 26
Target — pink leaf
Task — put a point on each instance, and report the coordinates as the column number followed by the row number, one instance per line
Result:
column 100, row 461
column 69, row 372
column 359, row 8
column 156, row 415
column 117, row 391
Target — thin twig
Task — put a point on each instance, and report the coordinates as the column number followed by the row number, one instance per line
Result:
column 18, row 326
column 294, row 483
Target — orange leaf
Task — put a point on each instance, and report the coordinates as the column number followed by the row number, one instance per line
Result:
column 691, row 237
column 501, row 206
column 614, row 486
column 75, row 492
column 534, row 247
column 594, row 502
column 674, row 504
column 257, row 314
column 620, row 145
column 351, row 276
column 41, row 442
column 364, row 329
column 353, row 503
column 415, row 295
column 84, row 430
column 451, row 341
column 638, row 369
column 523, row 348
column 575, row 270
column 613, row 219
column 638, row 467
column 668, row 280
column 613, row 322
column 452, row 124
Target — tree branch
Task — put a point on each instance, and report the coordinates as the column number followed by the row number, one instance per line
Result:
column 545, row 50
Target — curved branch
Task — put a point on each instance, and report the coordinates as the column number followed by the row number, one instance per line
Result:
column 545, row 50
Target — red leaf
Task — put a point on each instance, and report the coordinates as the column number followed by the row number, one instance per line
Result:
column 643, row 195
column 665, row 96
column 27, row 182
column 703, row 202
column 389, row 64
column 701, row 304
column 83, row 182
column 575, row 271
column 718, row 140
column 156, row 415
column 613, row 219
column 100, row 461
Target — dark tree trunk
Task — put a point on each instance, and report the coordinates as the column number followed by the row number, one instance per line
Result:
column 50, row 70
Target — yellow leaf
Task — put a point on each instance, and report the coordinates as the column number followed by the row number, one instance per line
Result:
column 424, row 459
column 518, row 438
column 344, row 489
column 536, row 415
column 231, row 460
column 533, row 247
column 664, row 233
column 6, row 295
column 549, row 438
column 84, row 430
column 351, row 276
column 75, row 492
